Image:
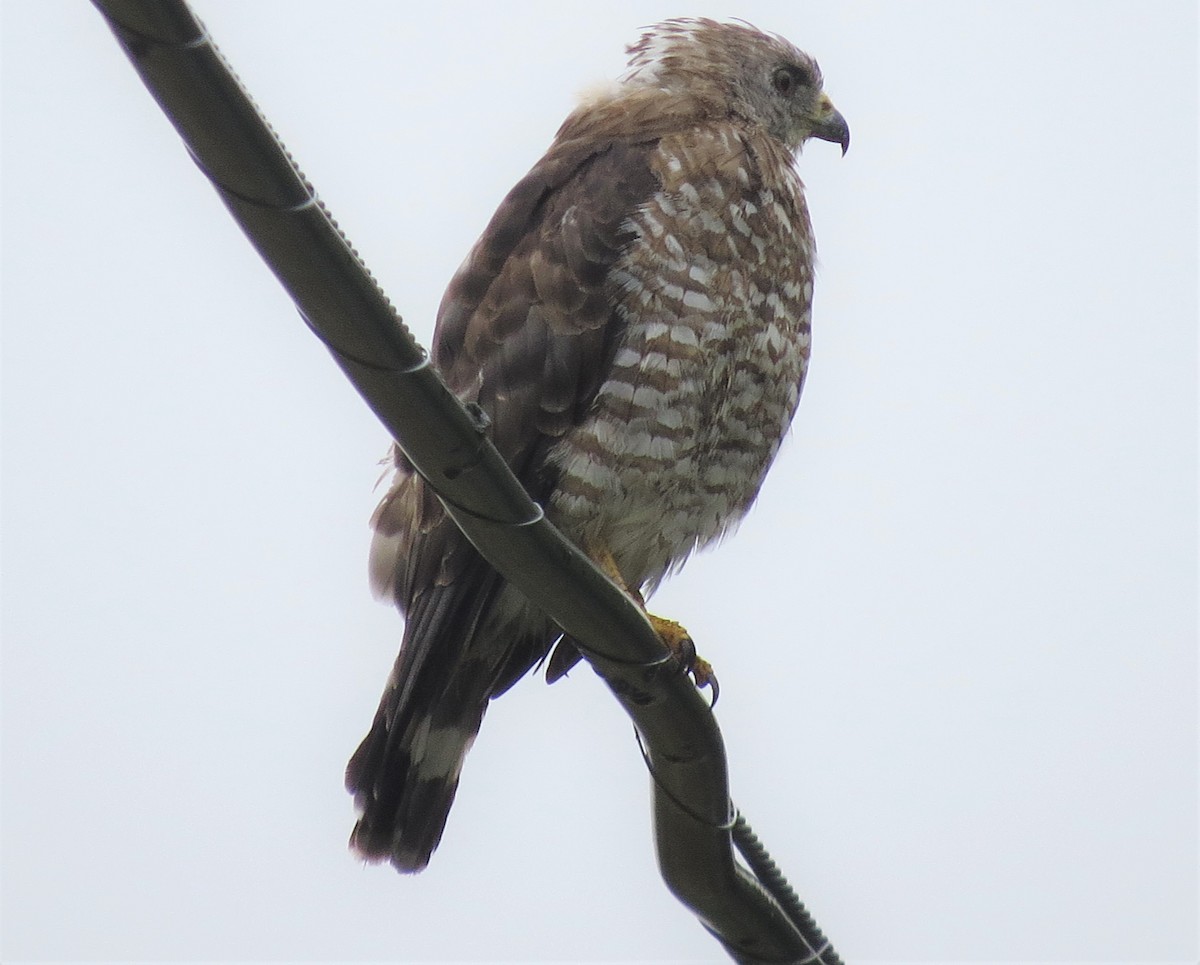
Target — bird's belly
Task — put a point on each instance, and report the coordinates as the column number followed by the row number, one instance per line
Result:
column 659, row 470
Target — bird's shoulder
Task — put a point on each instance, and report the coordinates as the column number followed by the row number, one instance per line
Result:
column 528, row 322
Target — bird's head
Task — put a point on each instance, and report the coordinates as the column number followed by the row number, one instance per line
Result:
column 760, row 77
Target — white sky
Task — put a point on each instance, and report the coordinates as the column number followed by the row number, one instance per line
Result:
column 956, row 639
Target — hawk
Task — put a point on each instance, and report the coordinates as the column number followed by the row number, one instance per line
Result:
column 634, row 322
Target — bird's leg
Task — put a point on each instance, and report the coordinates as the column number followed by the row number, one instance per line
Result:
column 673, row 634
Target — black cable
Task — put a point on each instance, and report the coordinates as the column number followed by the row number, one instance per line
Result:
column 765, row 870
column 768, row 873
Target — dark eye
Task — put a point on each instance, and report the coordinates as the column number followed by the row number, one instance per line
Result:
column 788, row 77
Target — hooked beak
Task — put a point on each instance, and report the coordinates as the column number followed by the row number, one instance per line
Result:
column 831, row 126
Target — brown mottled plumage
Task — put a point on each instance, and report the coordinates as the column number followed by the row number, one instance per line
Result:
column 635, row 322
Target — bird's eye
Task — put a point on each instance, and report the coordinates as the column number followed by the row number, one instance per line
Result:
column 784, row 81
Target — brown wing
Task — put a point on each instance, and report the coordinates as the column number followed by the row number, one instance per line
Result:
column 527, row 330
column 527, row 325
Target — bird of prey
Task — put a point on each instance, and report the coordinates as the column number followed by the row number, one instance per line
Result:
column 634, row 322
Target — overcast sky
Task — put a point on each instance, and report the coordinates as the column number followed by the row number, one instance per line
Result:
column 956, row 638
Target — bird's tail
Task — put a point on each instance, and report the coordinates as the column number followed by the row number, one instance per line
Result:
column 404, row 781
column 459, row 651
column 405, row 772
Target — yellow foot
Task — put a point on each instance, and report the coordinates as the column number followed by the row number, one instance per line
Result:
column 680, row 643
column 673, row 634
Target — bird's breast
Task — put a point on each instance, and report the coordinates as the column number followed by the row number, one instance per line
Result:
column 715, row 295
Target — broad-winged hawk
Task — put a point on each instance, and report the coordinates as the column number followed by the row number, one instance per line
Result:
column 635, row 323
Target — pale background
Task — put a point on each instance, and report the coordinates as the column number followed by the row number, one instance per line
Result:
column 956, row 639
